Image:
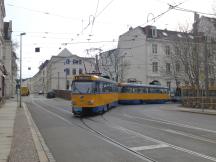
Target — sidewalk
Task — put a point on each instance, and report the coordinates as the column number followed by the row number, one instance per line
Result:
column 179, row 107
column 16, row 139
column 7, row 117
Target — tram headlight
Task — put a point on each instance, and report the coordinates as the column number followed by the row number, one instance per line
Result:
column 91, row 102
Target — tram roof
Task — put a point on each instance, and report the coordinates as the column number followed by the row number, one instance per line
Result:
column 88, row 77
column 141, row 85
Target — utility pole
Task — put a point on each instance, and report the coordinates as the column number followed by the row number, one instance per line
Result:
column 58, row 80
column 197, row 87
column 97, row 65
column 206, row 54
column 21, row 34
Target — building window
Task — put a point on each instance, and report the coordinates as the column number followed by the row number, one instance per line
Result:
column 186, row 68
column 155, row 67
column 169, row 84
column 154, row 48
column 80, row 71
column 80, row 61
column 211, row 69
column 67, row 71
column 67, row 84
column 75, row 61
column 167, row 50
column 177, row 51
column 168, row 66
column 177, row 67
column 74, row 71
column 67, row 61
column 154, row 32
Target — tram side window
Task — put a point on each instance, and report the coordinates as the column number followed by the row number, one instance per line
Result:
column 144, row 90
column 96, row 89
column 114, row 88
column 154, row 90
column 106, row 87
column 127, row 90
column 137, row 90
column 163, row 90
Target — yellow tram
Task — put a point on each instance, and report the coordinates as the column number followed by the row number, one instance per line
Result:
column 93, row 94
column 132, row 93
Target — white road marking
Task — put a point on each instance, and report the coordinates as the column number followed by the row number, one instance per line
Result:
column 150, row 147
column 189, row 135
column 172, row 146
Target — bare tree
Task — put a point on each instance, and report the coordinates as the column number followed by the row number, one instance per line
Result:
column 183, row 62
column 113, row 64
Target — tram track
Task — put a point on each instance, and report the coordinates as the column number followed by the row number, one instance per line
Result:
column 85, row 126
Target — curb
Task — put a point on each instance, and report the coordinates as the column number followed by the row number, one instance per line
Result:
column 198, row 112
column 43, row 152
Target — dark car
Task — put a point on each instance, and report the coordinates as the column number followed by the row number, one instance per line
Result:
column 40, row 92
column 51, row 94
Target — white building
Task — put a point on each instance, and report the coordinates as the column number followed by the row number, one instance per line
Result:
column 144, row 54
column 3, row 71
column 9, row 59
column 58, row 72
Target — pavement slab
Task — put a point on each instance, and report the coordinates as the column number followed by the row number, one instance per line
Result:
column 23, row 148
column 7, row 117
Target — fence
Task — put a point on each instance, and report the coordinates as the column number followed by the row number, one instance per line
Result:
column 199, row 102
column 65, row 94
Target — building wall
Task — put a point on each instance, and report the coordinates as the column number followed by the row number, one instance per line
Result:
column 58, row 78
column 132, row 48
column 137, row 48
column 207, row 26
column 53, row 75
column 7, row 59
column 2, row 69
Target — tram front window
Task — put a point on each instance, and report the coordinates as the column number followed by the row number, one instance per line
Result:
column 83, row 87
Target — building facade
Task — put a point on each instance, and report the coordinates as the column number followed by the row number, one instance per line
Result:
column 9, row 59
column 145, row 55
column 169, row 58
column 57, row 73
column 3, row 71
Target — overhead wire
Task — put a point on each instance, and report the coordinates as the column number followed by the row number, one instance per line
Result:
column 161, row 14
column 193, row 11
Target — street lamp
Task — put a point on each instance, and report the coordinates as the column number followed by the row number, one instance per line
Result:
column 21, row 34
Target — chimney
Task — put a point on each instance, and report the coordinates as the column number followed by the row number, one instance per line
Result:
column 196, row 17
column 195, row 24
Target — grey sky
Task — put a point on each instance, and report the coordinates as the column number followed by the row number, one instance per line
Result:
column 63, row 21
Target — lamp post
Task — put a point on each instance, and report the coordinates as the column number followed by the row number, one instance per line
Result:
column 21, row 34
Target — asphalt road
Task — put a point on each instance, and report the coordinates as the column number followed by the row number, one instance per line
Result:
column 157, row 132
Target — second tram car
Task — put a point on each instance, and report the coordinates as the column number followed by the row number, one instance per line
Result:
column 93, row 94
column 131, row 93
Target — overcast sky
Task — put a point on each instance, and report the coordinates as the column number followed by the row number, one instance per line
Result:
column 49, row 24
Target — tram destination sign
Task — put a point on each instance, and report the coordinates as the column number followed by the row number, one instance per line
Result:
column 82, row 77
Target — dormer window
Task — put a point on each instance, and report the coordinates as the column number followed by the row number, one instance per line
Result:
column 164, row 34
column 154, row 32
column 179, row 35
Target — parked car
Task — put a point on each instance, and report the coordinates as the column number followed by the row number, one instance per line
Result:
column 40, row 92
column 51, row 94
